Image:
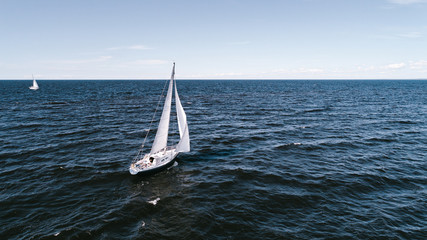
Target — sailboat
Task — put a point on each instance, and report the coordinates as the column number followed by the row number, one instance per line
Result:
column 162, row 156
column 35, row 85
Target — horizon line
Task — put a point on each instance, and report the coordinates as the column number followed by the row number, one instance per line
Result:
column 215, row 79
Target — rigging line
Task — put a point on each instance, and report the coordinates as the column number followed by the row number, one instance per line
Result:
column 154, row 115
column 152, row 120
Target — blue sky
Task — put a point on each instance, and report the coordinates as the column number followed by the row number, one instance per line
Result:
column 221, row 39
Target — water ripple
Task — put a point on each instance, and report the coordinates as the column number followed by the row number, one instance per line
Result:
column 269, row 160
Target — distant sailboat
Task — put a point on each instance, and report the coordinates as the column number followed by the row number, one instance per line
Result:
column 35, row 85
column 162, row 156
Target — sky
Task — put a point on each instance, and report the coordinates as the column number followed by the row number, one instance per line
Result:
column 221, row 39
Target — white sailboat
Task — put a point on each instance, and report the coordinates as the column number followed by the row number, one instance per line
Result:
column 162, row 156
column 35, row 85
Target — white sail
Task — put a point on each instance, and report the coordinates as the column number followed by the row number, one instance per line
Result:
column 35, row 85
column 184, row 142
column 161, row 139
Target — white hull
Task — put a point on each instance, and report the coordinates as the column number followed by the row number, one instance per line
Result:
column 33, row 88
column 161, row 160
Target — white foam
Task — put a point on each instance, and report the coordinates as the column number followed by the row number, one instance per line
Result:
column 154, row 202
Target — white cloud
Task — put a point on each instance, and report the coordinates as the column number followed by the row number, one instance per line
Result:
column 133, row 47
column 419, row 65
column 395, row 66
column 83, row 61
column 395, row 36
column 413, row 66
column 226, row 75
column 410, row 35
column 282, row 73
column 299, row 70
column 149, row 62
column 139, row 47
column 310, row 70
column 406, row 2
column 365, row 68
column 229, row 74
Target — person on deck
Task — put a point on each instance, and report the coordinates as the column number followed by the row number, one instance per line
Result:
column 151, row 161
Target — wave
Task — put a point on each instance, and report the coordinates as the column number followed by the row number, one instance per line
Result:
column 56, row 103
column 267, row 158
column 377, row 139
column 315, row 110
column 287, row 146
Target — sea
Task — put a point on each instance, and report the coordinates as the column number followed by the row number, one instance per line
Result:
column 270, row 159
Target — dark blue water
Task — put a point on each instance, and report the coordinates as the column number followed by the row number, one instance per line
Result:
column 269, row 160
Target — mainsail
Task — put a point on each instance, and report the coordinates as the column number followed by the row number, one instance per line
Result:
column 35, row 85
column 161, row 139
